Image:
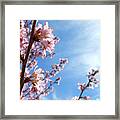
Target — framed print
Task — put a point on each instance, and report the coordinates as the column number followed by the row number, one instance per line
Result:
column 60, row 59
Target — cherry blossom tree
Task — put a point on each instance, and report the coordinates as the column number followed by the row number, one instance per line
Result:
column 92, row 82
column 37, row 40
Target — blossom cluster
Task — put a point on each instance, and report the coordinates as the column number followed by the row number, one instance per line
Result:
column 83, row 98
column 37, row 40
column 44, row 40
column 40, row 83
column 91, row 84
column 24, row 39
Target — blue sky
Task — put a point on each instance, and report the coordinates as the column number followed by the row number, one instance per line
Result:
column 80, row 43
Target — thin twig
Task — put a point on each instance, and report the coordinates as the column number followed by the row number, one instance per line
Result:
column 46, row 89
column 80, row 96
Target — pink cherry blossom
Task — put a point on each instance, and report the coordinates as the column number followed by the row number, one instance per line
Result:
column 37, row 41
column 92, row 83
column 75, row 98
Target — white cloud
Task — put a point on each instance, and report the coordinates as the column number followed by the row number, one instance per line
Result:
column 83, row 62
column 54, row 96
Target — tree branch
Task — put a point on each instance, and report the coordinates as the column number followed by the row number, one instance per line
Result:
column 94, row 72
column 21, row 58
column 26, row 57
column 80, row 96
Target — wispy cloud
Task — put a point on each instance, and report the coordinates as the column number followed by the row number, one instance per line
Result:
column 85, row 51
column 80, row 43
column 89, row 59
column 54, row 96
